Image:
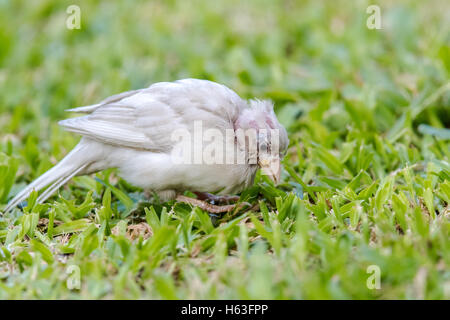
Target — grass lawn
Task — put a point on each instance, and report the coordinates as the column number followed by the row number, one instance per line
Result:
column 363, row 210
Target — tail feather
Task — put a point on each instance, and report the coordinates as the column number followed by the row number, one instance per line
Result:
column 56, row 185
column 57, row 176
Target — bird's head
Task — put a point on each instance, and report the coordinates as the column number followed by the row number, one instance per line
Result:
column 263, row 137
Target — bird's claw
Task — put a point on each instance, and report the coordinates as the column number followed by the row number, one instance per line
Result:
column 215, row 199
column 212, row 208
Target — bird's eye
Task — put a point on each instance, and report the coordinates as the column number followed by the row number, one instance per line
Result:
column 263, row 147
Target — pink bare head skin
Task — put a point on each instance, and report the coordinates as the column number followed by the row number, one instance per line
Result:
column 261, row 116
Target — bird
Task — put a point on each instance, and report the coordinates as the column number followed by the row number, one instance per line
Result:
column 134, row 132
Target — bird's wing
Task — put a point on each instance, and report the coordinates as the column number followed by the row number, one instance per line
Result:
column 111, row 99
column 147, row 118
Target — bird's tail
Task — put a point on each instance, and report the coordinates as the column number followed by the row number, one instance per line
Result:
column 71, row 165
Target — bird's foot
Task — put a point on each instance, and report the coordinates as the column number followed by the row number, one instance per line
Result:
column 214, row 199
column 212, row 208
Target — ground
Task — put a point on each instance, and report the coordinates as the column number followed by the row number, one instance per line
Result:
column 363, row 208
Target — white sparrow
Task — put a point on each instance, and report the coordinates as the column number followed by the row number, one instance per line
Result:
column 134, row 132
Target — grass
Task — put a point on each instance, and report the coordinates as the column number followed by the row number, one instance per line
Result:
column 366, row 182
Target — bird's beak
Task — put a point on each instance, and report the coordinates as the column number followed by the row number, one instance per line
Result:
column 271, row 167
